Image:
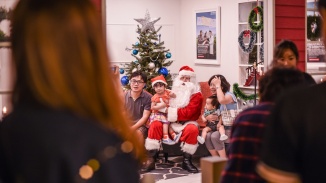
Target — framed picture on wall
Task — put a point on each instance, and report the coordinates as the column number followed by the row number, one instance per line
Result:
column 207, row 36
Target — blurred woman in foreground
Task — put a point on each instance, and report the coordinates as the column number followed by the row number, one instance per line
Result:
column 66, row 124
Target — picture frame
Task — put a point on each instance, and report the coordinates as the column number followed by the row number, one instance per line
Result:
column 207, row 36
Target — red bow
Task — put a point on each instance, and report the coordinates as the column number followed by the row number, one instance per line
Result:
column 246, row 33
column 256, row 10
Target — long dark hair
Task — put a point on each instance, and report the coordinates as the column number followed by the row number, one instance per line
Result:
column 224, row 83
column 281, row 47
column 61, row 61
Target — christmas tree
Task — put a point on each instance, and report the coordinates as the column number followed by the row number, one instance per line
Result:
column 149, row 53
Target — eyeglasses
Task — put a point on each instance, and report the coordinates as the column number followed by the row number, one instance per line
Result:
column 135, row 81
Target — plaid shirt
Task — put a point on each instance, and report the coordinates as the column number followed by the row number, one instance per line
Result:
column 245, row 144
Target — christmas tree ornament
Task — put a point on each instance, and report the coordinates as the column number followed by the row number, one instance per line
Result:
column 168, row 55
column 137, row 43
column 124, row 80
column 253, row 18
column 163, row 71
column 134, row 70
column 151, row 65
column 147, row 23
column 246, row 33
column 155, row 43
column 135, row 52
column 145, row 44
column 121, row 71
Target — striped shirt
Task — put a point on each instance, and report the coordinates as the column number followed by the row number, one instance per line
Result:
column 245, row 144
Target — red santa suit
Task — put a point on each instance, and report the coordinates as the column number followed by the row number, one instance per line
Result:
column 183, row 112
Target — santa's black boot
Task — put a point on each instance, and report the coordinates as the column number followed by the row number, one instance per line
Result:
column 187, row 164
column 149, row 165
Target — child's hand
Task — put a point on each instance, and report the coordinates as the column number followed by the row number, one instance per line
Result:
column 212, row 117
column 218, row 125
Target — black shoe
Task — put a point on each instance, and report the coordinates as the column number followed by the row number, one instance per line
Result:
column 187, row 164
column 148, row 166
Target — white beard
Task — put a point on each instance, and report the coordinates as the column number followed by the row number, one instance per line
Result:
column 183, row 91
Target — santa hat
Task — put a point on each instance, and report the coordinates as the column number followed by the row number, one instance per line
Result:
column 157, row 79
column 186, row 71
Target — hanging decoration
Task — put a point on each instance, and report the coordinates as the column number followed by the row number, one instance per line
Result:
column 124, row 80
column 151, row 65
column 246, row 33
column 168, row 55
column 135, row 52
column 261, row 52
column 4, row 14
column 239, row 94
column 121, row 71
column 163, row 71
column 253, row 18
column 313, row 28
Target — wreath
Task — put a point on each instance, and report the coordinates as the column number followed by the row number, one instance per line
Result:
column 239, row 94
column 313, row 28
column 252, row 41
column 4, row 14
column 253, row 17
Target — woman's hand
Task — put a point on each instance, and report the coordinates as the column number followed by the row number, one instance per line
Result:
column 216, row 81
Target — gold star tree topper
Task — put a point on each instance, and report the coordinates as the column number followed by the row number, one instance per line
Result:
column 147, row 23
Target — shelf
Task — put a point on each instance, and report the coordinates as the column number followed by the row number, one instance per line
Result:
column 5, row 44
column 5, row 92
column 248, row 87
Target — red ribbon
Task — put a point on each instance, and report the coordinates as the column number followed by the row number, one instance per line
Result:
column 256, row 10
column 246, row 33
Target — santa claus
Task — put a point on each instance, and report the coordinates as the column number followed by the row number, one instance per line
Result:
column 183, row 111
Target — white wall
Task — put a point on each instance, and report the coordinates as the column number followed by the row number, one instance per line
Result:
column 178, row 14
column 229, row 36
column 121, row 26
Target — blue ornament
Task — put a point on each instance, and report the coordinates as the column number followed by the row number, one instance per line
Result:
column 168, row 55
column 136, row 61
column 124, row 80
column 137, row 43
column 145, row 44
column 155, row 43
column 121, row 71
column 135, row 52
column 163, row 71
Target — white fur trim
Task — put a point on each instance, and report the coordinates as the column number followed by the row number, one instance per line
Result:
column 186, row 73
column 172, row 114
column 177, row 127
column 152, row 144
column 189, row 148
column 159, row 81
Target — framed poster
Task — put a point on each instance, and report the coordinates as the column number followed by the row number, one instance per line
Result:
column 207, row 36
